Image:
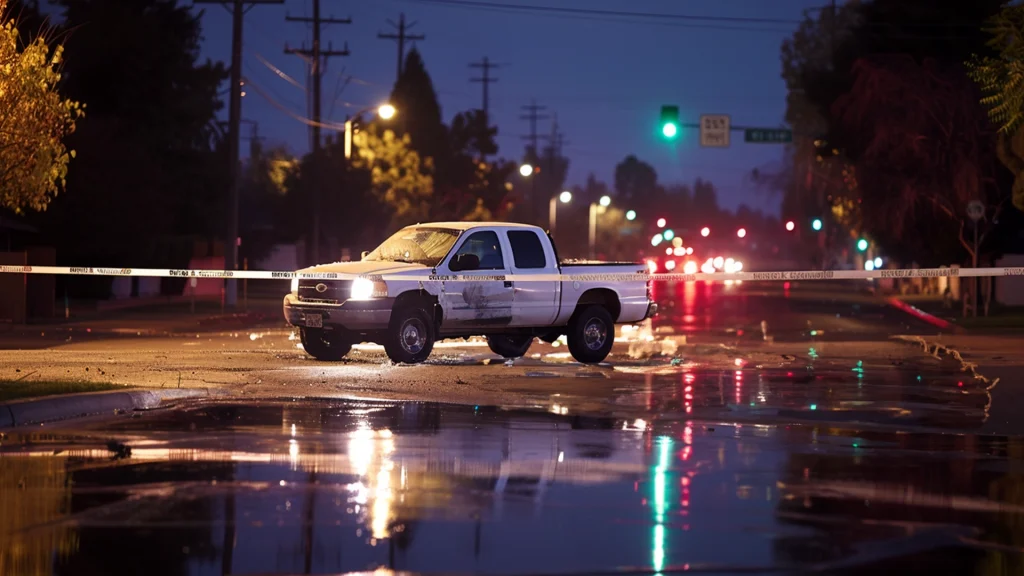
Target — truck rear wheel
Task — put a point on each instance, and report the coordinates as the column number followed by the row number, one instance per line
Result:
column 322, row 345
column 410, row 336
column 591, row 334
column 509, row 346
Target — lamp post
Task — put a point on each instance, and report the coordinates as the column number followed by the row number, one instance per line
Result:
column 595, row 209
column 565, row 197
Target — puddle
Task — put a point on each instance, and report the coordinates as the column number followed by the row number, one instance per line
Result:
column 331, row 486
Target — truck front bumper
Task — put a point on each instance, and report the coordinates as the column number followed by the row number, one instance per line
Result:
column 352, row 315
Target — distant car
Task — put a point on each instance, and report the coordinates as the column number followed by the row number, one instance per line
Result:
column 460, row 279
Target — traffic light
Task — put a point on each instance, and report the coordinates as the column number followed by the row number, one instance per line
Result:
column 862, row 245
column 816, row 224
column 670, row 122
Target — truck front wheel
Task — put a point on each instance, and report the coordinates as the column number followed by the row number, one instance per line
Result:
column 509, row 346
column 410, row 336
column 591, row 335
column 324, row 346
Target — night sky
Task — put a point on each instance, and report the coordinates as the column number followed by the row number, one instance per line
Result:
column 604, row 76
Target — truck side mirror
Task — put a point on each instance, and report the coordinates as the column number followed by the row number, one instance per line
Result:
column 464, row 262
column 365, row 254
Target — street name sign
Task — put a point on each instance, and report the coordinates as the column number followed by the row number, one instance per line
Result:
column 768, row 135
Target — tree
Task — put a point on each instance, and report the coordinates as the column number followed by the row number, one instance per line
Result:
column 1001, row 78
column 34, row 120
column 475, row 189
column 634, row 179
column 921, row 145
column 419, row 114
column 264, row 200
column 399, row 178
column 150, row 165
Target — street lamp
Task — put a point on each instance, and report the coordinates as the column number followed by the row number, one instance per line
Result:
column 525, row 170
column 595, row 209
column 565, row 197
column 384, row 112
column 661, row 222
column 705, row 231
column 790, row 226
column 742, row 232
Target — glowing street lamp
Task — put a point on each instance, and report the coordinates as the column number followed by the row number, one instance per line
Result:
column 565, row 197
column 705, row 231
column 601, row 206
column 661, row 222
column 742, row 232
column 385, row 111
column 525, row 170
column 790, row 226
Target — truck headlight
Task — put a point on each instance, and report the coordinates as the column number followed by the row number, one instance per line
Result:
column 295, row 285
column 364, row 289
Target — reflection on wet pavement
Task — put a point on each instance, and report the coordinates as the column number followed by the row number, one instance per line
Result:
column 315, row 487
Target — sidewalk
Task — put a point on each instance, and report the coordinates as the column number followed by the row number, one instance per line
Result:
column 176, row 317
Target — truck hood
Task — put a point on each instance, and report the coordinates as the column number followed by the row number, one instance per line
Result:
column 364, row 267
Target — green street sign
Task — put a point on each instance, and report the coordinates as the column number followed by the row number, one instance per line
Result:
column 768, row 135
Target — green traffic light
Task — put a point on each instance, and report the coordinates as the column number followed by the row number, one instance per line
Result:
column 668, row 234
column 816, row 224
column 670, row 130
column 670, row 122
column 862, row 245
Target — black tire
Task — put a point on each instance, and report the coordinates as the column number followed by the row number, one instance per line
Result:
column 410, row 336
column 324, row 346
column 509, row 346
column 591, row 334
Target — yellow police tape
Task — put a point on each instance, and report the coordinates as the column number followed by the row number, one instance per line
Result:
column 489, row 275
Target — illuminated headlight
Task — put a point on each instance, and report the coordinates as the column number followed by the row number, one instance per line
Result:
column 295, row 285
column 364, row 289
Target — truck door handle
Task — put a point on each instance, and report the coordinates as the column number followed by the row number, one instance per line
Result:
column 508, row 283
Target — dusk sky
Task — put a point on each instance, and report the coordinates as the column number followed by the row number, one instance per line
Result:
column 605, row 76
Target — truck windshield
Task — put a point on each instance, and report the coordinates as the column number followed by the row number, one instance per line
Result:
column 427, row 246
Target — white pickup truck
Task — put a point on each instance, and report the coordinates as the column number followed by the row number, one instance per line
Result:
column 462, row 279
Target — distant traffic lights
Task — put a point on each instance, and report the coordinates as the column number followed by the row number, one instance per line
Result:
column 816, row 224
column 670, row 122
column 862, row 245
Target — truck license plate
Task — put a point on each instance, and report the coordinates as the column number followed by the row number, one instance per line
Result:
column 314, row 321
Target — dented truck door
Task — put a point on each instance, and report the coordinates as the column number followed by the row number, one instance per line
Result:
column 481, row 297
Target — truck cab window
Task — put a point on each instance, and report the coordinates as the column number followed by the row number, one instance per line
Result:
column 527, row 251
column 486, row 247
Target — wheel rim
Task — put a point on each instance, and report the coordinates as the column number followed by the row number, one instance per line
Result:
column 595, row 333
column 413, row 336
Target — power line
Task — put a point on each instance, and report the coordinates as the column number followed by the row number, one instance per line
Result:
column 608, row 13
column 238, row 10
column 318, row 57
column 401, row 37
column 532, row 116
column 485, row 79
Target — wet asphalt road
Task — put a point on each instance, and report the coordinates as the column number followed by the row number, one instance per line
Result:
column 703, row 331
column 720, row 444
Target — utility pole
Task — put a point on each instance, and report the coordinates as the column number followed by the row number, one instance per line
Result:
column 556, row 140
column 485, row 79
column 317, row 58
column 401, row 36
column 532, row 116
column 238, row 10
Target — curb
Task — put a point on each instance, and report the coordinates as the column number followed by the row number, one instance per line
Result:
column 54, row 408
column 923, row 316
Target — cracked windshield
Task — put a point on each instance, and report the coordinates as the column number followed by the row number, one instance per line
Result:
column 511, row 287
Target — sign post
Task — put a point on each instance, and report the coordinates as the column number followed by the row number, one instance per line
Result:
column 975, row 211
column 714, row 130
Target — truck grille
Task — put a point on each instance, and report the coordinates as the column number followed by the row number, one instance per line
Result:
column 334, row 291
